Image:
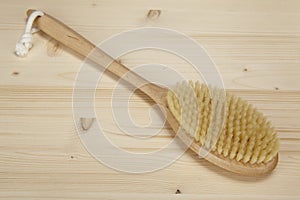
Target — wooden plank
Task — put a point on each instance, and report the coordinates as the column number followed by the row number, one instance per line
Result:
column 255, row 45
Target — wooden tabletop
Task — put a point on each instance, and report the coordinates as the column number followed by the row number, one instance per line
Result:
column 255, row 45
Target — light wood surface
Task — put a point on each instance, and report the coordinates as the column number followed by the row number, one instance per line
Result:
column 255, row 44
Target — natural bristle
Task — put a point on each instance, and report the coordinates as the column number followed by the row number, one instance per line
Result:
column 245, row 135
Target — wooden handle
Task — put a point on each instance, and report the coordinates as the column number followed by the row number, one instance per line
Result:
column 82, row 46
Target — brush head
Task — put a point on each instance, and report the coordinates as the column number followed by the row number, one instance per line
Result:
column 224, row 124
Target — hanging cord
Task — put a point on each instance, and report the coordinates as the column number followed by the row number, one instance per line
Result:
column 25, row 42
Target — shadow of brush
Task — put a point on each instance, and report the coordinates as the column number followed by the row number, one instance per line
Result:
column 231, row 175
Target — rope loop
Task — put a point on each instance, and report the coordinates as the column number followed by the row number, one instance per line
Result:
column 25, row 43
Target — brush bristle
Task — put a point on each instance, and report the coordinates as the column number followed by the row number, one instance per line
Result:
column 224, row 123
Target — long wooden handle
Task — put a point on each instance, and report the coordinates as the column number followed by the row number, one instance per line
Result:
column 82, row 46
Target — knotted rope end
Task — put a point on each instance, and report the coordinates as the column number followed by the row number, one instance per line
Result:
column 25, row 43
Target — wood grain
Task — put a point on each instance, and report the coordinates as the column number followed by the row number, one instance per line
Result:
column 41, row 154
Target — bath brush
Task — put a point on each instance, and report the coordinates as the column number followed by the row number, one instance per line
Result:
column 246, row 142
